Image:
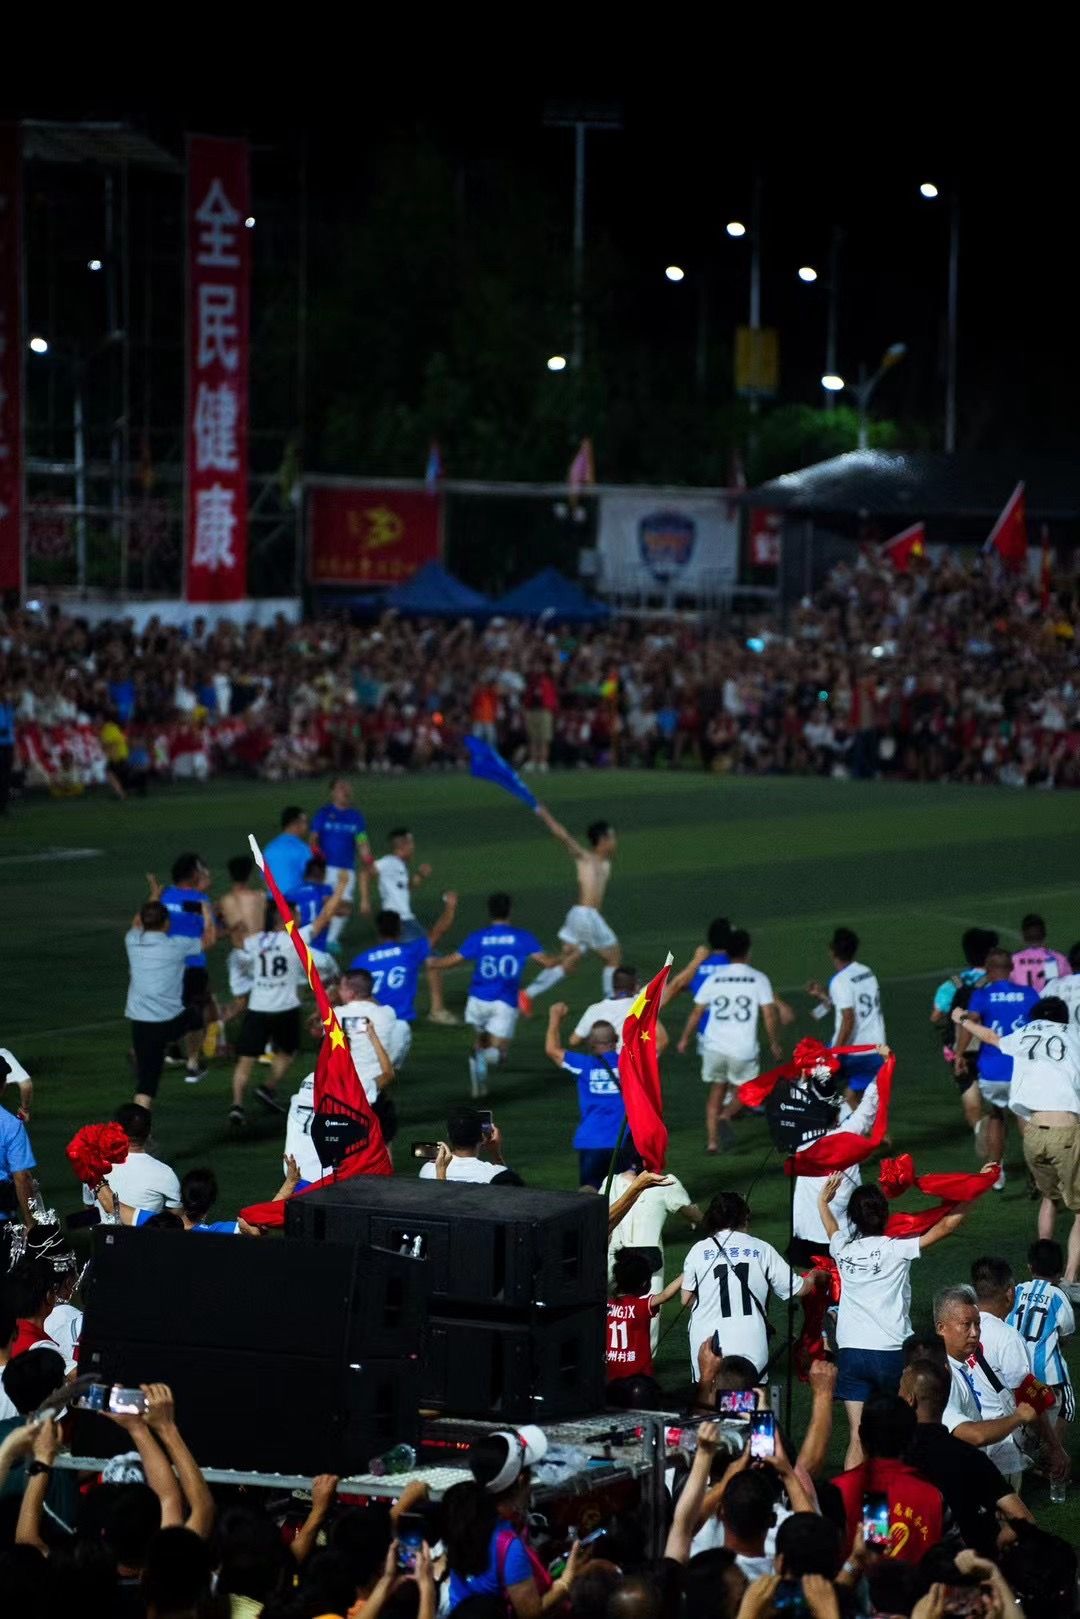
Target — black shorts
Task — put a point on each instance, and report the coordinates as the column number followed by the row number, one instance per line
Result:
column 279, row 1029
column 149, row 1042
column 196, row 987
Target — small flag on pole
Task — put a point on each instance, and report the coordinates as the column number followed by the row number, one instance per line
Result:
column 582, row 471
column 1008, row 537
column 639, row 1073
column 487, row 764
column 434, row 472
column 909, row 543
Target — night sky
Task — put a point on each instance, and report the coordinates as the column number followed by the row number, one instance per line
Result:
column 835, row 145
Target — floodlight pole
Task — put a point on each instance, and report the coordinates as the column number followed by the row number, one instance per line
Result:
column 951, row 326
column 580, row 123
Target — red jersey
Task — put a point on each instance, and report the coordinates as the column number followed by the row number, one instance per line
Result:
column 915, row 1507
column 629, row 1351
column 27, row 1334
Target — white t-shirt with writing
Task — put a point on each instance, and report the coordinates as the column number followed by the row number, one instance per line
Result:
column 855, row 989
column 473, row 1171
column 875, row 1303
column 1004, row 1352
column 1046, row 1068
column 351, row 1017
column 731, row 1274
column 395, row 892
column 276, row 973
column 734, row 995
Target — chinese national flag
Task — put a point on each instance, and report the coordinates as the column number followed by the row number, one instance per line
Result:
column 1009, row 534
column 909, row 543
column 639, row 1073
column 339, row 1094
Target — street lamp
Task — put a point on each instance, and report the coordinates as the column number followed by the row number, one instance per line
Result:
column 93, row 264
column 674, row 272
column 39, row 345
column 863, row 390
column 557, row 362
column 832, row 383
column 807, row 273
column 931, row 192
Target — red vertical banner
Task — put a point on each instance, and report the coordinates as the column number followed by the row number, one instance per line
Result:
column 219, row 291
column 11, row 360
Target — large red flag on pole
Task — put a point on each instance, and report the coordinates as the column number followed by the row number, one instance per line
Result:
column 1008, row 537
column 339, row 1094
column 639, row 1073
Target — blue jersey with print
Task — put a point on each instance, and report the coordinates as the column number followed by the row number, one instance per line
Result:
column 1004, row 1007
column 1037, row 1316
column 287, row 856
column 500, row 953
column 219, row 1228
column 717, row 958
column 339, row 831
column 309, row 900
column 395, row 969
column 184, row 923
column 599, row 1098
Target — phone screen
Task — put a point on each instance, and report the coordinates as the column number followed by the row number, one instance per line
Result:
column 762, row 1435
column 95, row 1398
column 737, row 1402
column 427, row 1151
column 127, row 1402
column 875, row 1520
column 410, row 1538
column 487, row 1123
column 963, row 1600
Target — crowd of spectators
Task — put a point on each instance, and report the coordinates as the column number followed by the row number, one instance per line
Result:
column 945, row 672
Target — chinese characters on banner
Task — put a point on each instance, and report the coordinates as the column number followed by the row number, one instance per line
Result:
column 11, row 361
column 766, row 530
column 219, row 275
column 371, row 536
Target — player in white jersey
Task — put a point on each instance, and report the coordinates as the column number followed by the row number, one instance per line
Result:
column 584, row 928
column 1068, row 989
column 854, row 995
column 397, row 884
column 727, row 1280
column 379, row 1041
column 273, row 1009
column 734, row 996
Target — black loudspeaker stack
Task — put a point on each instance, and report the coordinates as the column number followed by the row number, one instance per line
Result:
column 387, row 1296
column 517, row 1278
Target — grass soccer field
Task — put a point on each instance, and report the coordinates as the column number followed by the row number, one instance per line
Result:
column 908, row 867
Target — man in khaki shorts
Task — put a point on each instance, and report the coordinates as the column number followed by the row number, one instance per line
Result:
column 734, row 995
column 1044, row 1094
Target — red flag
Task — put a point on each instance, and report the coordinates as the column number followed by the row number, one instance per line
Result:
column 1044, row 570
column 338, row 1091
column 897, row 1175
column 843, row 1148
column 582, row 471
column 639, row 1073
column 909, row 543
column 1009, row 534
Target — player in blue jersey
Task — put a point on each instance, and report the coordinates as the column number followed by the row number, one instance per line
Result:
column 600, row 1101
column 1042, row 1314
column 185, row 899
column 498, row 953
column 288, row 853
column 339, row 832
column 394, row 963
column 1002, row 1006
column 309, row 901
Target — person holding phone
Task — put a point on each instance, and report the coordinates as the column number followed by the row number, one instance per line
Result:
column 874, row 1313
column 459, row 1157
column 899, row 1511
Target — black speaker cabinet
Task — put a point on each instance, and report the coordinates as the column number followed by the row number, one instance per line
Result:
column 505, row 1247
column 542, row 1370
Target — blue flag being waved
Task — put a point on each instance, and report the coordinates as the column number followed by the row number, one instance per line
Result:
column 488, row 765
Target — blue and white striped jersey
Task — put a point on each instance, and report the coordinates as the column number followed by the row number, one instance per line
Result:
column 1042, row 1315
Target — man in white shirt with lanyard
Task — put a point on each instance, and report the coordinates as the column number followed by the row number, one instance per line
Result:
column 1000, row 1366
column 957, row 1324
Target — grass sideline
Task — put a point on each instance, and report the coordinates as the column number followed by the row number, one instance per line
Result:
column 908, row 867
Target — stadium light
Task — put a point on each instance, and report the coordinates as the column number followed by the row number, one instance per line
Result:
column 93, row 264
column 928, row 190
column 807, row 273
column 735, row 227
column 250, row 221
column 675, row 272
column 832, row 383
column 557, row 362
column 39, row 345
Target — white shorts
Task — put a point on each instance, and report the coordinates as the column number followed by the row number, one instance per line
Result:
column 586, row 928
column 717, row 1068
column 995, row 1092
column 334, row 872
column 491, row 1017
column 241, row 972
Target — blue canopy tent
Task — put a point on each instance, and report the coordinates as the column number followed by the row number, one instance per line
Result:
column 435, row 593
column 550, row 593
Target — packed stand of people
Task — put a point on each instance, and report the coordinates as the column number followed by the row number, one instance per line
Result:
column 933, row 673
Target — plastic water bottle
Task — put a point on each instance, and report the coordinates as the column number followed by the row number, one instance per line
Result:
column 1058, row 1490
column 398, row 1459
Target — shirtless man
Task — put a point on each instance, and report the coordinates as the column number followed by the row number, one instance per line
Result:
column 584, row 928
column 241, row 912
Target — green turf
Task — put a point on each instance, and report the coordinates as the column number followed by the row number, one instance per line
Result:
column 908, row 867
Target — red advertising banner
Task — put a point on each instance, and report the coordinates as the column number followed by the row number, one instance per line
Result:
column 216, row 452
column 371, row 536
column 765, row 538
column 11, row 360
